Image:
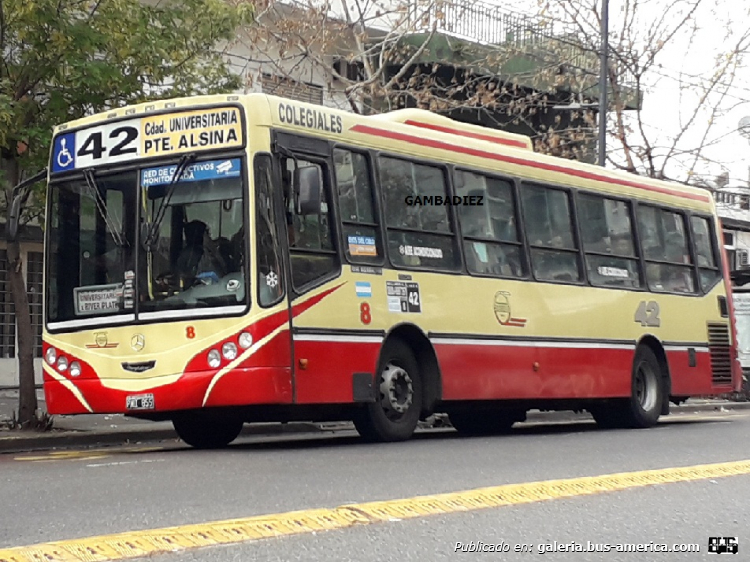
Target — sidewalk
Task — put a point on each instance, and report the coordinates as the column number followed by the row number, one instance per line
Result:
column 109, row 429
column 97, row 429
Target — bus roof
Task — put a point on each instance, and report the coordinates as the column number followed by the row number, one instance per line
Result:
column 420, row 133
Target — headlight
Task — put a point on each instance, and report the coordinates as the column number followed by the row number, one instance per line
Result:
column 51, row 355
column 246, row 340
column 75, row 369
column 214, row 358
column 62, row 363
column 229, row 350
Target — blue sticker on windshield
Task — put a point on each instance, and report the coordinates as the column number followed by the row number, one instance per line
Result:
column 201, row 171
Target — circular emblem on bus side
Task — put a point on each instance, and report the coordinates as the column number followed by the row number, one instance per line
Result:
column 502, row 307
column 138, row 342
column 100, row 338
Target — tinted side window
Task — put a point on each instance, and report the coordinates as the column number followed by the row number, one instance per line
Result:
column 490, row 236
column 310, row 231
column 419, row 229
column 664, row 246
column 356, row 201
column 607, row 236
column 270, row 279
column 708, row 264
column 549, row 230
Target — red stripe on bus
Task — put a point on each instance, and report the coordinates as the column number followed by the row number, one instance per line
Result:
column 440, row 145
column 488, row 138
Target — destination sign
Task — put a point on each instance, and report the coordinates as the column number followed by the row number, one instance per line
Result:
column 146, row 137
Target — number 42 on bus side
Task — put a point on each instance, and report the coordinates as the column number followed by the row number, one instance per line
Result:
column 647, row 314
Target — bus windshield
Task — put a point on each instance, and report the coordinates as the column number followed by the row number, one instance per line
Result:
column 178, row 250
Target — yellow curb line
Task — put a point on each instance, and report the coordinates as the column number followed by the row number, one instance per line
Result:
column 173, row 539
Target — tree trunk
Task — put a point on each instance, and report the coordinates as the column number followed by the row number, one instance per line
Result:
column 27, row 403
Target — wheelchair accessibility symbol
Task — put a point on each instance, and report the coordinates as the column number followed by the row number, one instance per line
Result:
column 64, row 158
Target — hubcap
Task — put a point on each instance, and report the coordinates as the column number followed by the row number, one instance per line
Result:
column 645, row 386
column 396, row 390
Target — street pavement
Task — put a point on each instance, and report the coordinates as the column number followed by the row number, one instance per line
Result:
column 95, row 429
column 78, row 496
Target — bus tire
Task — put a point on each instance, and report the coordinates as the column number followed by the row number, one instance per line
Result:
column 495, row 422
column 644, row 406
column 202, row 430
column 394, row 414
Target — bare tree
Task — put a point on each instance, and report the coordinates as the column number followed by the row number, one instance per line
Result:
column 690, row 50
column 470, row 60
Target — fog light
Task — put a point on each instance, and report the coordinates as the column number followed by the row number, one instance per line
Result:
column 51, row 355
column 229, row 351
column 246, row 340
column 214, row 358
column 62, row 363
column 75, row 369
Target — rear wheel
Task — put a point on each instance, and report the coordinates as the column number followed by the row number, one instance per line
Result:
column 644, row 406
column 394, row 414
column 204, row 430
column 485, row 422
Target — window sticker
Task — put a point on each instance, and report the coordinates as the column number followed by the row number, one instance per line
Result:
column 96, row 299
column 362, row 246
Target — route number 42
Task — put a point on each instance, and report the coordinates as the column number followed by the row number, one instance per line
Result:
column 95, row 148
column 647, row 314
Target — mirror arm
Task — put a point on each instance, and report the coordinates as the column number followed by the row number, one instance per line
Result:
column 18, row 198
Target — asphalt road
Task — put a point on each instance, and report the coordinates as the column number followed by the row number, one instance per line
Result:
column 74, row 494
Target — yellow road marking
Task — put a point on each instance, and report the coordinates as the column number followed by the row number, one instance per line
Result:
column 83, row 455
column 172, row 539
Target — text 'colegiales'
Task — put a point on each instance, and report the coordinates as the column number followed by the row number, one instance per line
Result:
column 310, row 118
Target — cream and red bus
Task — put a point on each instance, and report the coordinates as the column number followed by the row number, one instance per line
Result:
column 224, row 260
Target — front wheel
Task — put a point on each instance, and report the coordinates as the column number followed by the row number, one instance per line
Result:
column 204, row 430
column 643, row 408
column 394, row 414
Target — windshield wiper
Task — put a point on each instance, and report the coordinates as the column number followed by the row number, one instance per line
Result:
column 181, row 167
column 101, row 206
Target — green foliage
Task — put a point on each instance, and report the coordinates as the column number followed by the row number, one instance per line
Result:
column 63, row 59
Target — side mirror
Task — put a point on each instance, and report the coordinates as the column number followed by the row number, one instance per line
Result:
column 306, row 182
column 13, row 218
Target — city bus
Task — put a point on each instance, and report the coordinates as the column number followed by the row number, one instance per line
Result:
column 222, row 260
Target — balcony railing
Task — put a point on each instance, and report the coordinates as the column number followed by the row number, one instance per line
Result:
column 488, row 24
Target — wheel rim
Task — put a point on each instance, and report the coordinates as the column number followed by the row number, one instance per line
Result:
column 646, row 386
column 396, row 392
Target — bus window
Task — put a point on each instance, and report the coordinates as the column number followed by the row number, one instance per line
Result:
column 270, row 278
column 192, row 255
column 491, row 241
column 356, row 201
column 549, row 230
column 664, row 246
column 704, row 254
column 419, row 229
column 311, row 246
column 607, row 236
column 91, row 247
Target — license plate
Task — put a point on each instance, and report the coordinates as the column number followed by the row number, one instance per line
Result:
column 140, row 402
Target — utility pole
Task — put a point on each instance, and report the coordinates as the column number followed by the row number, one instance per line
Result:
column 603, row 72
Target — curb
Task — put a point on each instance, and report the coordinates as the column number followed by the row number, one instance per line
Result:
column 21, row 442
column 24, row 442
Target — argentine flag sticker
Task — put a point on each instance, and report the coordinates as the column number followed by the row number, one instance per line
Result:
column 363, row 289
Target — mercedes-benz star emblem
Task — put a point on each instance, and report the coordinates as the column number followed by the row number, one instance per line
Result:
column 138, row 342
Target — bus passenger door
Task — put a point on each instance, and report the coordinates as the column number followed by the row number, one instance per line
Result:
column 273, row 359
column 313, row 260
